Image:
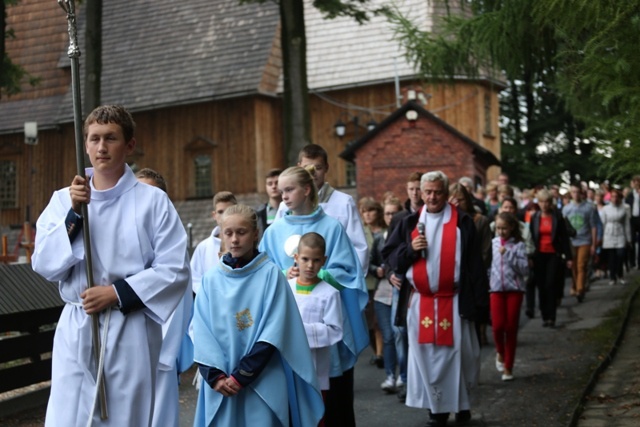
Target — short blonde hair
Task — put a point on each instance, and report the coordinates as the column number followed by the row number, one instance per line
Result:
column 506, row 189
column 313, row 240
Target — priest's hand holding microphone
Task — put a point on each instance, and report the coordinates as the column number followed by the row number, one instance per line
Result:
column 419, row 244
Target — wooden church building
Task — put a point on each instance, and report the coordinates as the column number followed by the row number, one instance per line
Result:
column 203, row 80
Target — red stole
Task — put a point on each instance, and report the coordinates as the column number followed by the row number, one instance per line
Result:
column 431, row 330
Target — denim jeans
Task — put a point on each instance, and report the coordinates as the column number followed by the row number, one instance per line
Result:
column 400, row 335
column 383, row 314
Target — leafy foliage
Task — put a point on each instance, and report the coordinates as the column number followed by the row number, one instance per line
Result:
column 356, row 9
column 565, row 78
column 11, row 75
column 599, row 76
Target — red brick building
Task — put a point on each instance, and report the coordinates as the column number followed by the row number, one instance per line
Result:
column 413, row 139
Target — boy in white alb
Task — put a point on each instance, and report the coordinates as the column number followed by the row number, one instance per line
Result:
column 140, row 275
column 319, row 304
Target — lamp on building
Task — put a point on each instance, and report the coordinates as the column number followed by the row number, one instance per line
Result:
column 30, row 138
column 412, row 116
column 31, row 133
column 341, row 130
column 341, row 127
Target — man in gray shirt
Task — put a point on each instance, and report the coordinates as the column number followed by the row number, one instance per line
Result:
column 582, row 216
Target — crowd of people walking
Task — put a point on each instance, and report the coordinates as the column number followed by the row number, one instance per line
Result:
column 527, row 241
column 281, row 291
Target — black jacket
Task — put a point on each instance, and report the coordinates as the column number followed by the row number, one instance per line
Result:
column 629, row 201
column 473, row 300
column 559, row 236
column 261, row 212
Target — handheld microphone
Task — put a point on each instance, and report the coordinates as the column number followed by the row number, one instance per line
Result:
column 423, row 252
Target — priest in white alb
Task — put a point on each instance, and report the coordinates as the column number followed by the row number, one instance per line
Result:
column 436, row 250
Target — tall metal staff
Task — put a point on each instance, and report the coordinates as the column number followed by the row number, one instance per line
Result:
column 74, row 54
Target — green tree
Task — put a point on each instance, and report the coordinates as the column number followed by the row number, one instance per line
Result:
column 11, row 75
column 598, row 74
column 473, row 39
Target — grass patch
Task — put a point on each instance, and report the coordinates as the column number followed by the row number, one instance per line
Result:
column 605, row 334
column 604, row 337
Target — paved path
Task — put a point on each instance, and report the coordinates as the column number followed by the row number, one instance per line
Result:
column 553, row 367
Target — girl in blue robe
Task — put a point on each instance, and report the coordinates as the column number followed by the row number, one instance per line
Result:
column 249, row 339
column 342, row 270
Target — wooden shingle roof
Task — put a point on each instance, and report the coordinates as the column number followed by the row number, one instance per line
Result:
column 156, row 53
column 40, row 33
column 22, row 290
column 159, row 53
column 341, row 53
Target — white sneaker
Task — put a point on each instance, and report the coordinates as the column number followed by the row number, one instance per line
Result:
column 622, row 282
column 389, row 385
column 612, row 282
column 507, row 377
column 499, row 365
column 399, row 383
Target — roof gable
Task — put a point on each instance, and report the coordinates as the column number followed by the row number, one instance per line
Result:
column 350, row 152
column 200, row 143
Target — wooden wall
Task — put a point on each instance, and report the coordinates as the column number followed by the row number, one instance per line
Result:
column 244, row 137
column 246, row 133
column 243, row 130
column 53, row 165
column 231, row 125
